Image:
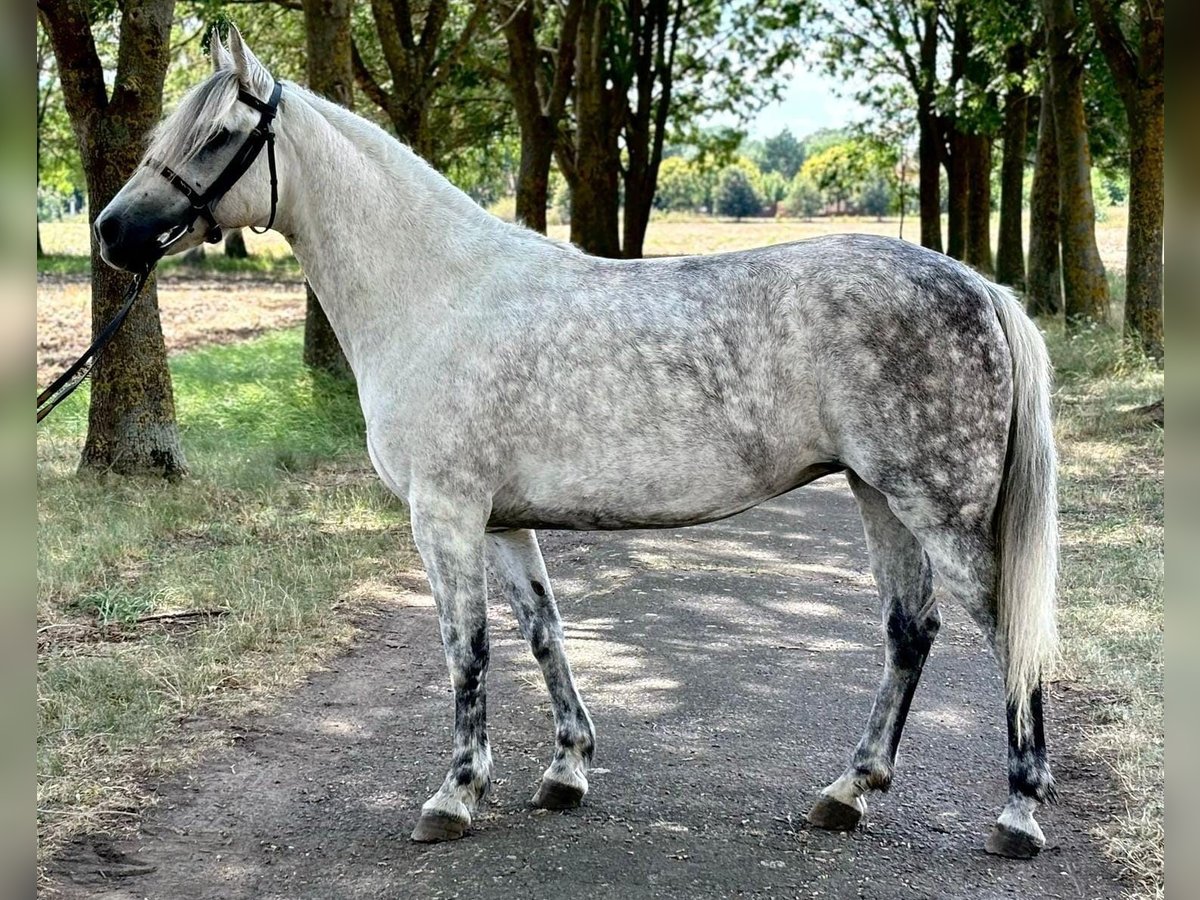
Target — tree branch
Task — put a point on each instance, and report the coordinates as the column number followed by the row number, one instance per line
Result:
column 80, row 72
column 366, row 80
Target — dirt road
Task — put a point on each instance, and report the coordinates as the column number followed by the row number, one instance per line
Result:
column 729, row 670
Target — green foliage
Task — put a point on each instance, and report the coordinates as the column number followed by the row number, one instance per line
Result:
column 681, row 185
column 875, row 197
column 804, row 197
column 781, row 154
column 735, row 195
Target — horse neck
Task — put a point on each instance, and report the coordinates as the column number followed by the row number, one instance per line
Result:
column 387, row 243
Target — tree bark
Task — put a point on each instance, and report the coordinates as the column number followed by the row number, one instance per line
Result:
column 1045, row 271
column 979, row 203
column 957, row 179
column 929, row 150
column 1085, row 288
column 331, row 74
column 235, row 244
column 1010, row 250
column 929, row 182
column 593, row 174
column 654, row 29
column 1144, row 253
column 538, row 105
column 1140, row 82
column 131, row 419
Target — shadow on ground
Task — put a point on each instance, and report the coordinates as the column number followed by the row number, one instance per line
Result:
column 729, row 669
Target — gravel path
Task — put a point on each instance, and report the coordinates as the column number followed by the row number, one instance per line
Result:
column 729, row 669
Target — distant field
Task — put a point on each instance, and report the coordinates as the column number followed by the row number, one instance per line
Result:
column 671, row 234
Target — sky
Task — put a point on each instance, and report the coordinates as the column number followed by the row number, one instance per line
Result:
column 810, row 100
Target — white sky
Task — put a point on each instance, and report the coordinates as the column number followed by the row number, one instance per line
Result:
column 809, row 101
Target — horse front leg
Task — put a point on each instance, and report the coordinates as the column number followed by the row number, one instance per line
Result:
column 521, row 574
column 449, row 534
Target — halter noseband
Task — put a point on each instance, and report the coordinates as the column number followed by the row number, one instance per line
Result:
column 203, row 203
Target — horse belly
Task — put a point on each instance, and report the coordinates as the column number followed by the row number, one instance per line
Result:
column 669, row 494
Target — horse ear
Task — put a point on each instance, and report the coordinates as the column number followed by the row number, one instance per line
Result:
column 251, row 73
column 220, row 56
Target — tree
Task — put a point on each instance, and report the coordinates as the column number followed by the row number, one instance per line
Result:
column 736, row 195
column 1044, row 282
column 783, row 154
column 804, row 199
column 590, row 159
column 421, row 54
column 875, row 198
column 680, row 185
column 331, row 74
column 643, row 68
column 539, row 81
column 1139, row 76
column 131, row 420
column 880, row 42
column 235, row 244
column 1010, row 252
column 1085, row 288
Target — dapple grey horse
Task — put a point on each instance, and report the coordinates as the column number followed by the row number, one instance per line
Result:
column 510, row 382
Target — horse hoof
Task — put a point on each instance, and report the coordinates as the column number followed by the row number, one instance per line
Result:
column 1014, row 844
column 556, row 795
column 434, row 827
column 834, row 815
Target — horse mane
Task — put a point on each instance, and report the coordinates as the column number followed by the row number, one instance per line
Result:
column 196, row 120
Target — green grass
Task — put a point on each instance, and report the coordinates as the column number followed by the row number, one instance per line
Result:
column 280, row 533
column 274, row 267
column 1112, row 523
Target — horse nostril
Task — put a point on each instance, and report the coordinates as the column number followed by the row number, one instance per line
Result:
column 108, row 228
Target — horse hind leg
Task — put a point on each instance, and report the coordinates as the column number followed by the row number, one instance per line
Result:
column 965, row 560
column 911, row 621
column 521, row 575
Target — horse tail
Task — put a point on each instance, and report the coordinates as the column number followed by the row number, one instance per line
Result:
column 1026, row 516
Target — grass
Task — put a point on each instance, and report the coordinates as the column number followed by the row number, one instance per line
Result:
column 1111, row 465
column 159, row 601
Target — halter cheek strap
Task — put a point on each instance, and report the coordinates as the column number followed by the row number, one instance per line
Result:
column 202, row 203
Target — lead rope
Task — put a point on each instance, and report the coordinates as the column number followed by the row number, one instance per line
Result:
column 66, row 383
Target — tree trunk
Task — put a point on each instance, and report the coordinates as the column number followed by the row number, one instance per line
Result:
column 40, row 251
column 1144, row 253
column 929, row 186
column 595, row 199
column 538, row 102
column 1139, row 78
column 131, row 419
column 321, row 348
column 1010, row 250
column 957, row 177
column 979, row 203
column 1045, row 273
column 1085, row 288
column 331, row 74
column 235, row 245
column 533, row 177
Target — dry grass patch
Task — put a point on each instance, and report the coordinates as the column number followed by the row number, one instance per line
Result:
column 157, row 601
column 1111, row 592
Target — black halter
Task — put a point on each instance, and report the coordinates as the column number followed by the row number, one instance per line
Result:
column 203, row 203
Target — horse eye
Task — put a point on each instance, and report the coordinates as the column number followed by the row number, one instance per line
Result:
column 219, row 139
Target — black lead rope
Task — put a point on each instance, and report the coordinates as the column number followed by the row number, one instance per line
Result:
column 66, row 383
